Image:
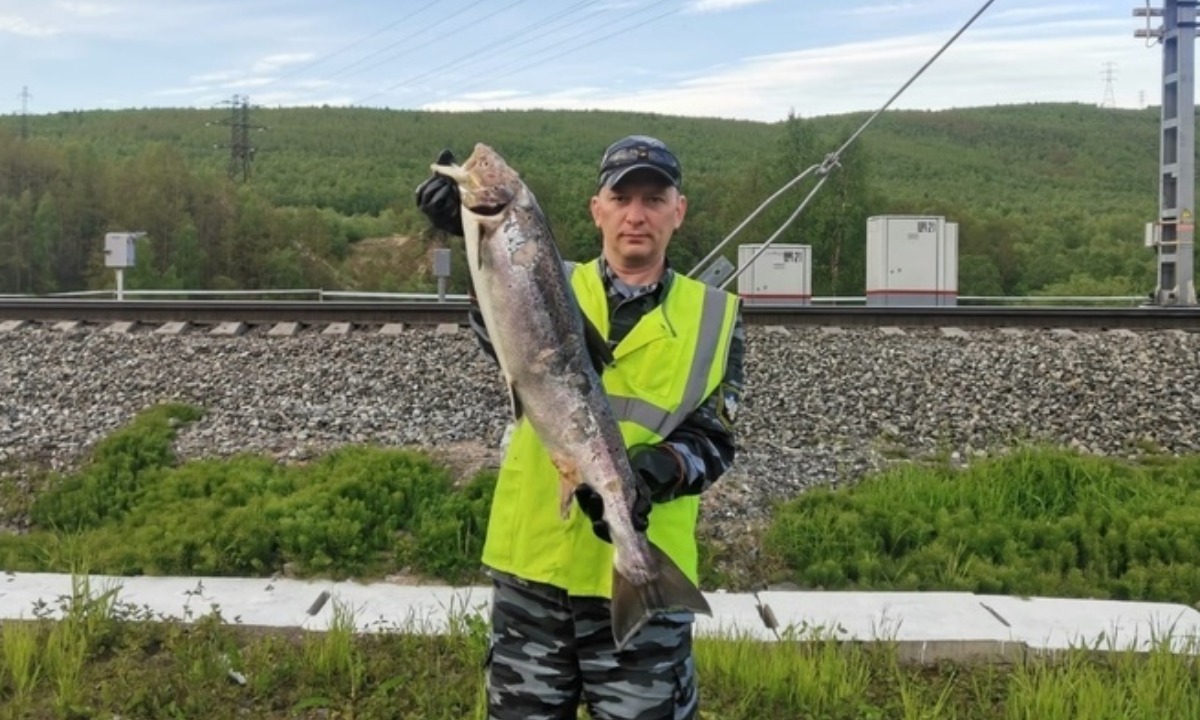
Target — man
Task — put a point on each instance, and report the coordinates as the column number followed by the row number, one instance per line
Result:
column 675, row 382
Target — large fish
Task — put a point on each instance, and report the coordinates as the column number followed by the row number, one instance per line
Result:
column 538, row 332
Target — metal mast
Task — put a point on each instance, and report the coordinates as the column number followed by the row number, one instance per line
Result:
column 1175, row 231
column 1110, row 95
column 241, row 152
column 25, row 112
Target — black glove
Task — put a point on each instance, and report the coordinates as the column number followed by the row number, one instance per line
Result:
column 593, row 505
column 658, row 472
column 660, row 468
column 438, row 198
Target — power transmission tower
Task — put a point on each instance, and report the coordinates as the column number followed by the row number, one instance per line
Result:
column 1110, row 96
column 25, row 96
column 1174, row 233
column 241, row 152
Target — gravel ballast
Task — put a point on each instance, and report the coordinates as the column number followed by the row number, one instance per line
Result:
column 821, row 406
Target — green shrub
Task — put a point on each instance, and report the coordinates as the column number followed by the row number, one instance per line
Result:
column 1038, row 521
column 356, row 511
column 122, row 465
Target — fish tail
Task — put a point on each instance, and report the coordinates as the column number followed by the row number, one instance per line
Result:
column 634, row 605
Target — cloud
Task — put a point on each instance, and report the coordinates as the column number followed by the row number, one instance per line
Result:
column 13, row 25
column 706, row 6
column 248, row 82
column 894, row 8
column 1040, row 13
column 859, row 76
column 85, row 9
column 278, row 61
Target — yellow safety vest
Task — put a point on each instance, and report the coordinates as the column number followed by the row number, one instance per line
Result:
column 664, row 369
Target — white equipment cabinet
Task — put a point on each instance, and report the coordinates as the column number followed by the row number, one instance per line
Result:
column 912, row 260
column 782, row 275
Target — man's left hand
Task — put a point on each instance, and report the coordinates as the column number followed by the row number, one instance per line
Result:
column 660, row 467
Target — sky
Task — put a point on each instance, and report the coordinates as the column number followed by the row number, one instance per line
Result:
column 755, row 60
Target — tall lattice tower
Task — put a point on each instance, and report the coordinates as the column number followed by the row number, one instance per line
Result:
column 25, row 112
column 241, row 152
column 1109, row 72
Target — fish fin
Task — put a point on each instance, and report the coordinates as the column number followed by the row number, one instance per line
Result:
column 568, row 478
column 634, row 605
column 515, row 401
column 597, row 347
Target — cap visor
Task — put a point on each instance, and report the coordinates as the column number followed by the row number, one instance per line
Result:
column 613, row 177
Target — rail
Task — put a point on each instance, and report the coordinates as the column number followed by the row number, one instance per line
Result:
column 354, row 309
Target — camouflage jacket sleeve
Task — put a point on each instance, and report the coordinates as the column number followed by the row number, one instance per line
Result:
column 475, row 320
column 705, row 440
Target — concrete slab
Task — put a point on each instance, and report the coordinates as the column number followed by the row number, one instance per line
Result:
column 392, row 329
column 68, row 326
column 832, row 330
column 891, row 331
column 339, row 328
column 11, row 325
column 1012, row 332
column 1122, row 333
column 777, row 330
column 1056, row 623
column 228, row 329
column 1063, row 332
column 171, row 328
column 953, row 332
column 902, row 616
column 446, row 329
column 314, row 605
column 925, row 627
column 284, row 329
column 120, row 328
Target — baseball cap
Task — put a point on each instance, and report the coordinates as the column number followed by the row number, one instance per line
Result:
column 638, row 152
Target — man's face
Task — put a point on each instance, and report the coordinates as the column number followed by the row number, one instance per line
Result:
column 637, row 218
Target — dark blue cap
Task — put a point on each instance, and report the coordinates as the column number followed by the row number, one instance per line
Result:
column 639, row 152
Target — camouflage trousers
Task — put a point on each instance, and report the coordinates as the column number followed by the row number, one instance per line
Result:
column 549, row 651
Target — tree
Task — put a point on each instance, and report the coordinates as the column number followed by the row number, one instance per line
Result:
column 47, row 230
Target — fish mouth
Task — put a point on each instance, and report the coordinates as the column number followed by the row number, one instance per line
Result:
column 486, row 200
column 487, row 209
column 482, row 182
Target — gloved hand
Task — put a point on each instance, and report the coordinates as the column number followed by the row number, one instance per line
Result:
column 660, row 467
column 658, row 471
column 593, row 505
column 438, row 198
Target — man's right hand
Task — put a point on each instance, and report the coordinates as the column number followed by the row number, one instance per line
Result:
column 438, row 198
column 593, row 506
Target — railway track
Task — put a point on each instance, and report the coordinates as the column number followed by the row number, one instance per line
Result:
column 254, row 312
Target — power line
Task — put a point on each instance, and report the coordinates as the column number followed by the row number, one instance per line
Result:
column 541, row 60
column 530, row 33
column 342, row 71
column 350, row 46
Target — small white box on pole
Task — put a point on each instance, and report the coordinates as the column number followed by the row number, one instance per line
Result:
column 120, row 249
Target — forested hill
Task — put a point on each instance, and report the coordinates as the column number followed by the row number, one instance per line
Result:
column 1049, row 198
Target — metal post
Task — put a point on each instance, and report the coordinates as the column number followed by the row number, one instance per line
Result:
column 1177, row 172
column 120, row 284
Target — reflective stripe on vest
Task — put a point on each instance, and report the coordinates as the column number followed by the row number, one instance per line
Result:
column 660, row 421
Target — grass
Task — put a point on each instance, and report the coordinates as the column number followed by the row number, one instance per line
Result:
column 1035, row 522
column 1038, row 522
column 104, row 659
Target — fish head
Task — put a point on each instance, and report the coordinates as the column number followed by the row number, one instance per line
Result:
column 486, row 183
